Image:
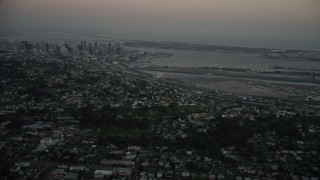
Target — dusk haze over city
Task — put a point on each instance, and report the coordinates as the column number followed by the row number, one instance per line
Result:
column 159, row 89
column 254, row 23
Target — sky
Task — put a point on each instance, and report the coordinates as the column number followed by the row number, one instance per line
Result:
column 224, row 22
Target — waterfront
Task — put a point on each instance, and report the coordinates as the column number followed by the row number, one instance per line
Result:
column 190, row 58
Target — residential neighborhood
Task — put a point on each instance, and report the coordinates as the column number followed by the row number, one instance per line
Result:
column 82, row 110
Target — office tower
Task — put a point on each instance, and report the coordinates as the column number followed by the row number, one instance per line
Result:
column 110, row 49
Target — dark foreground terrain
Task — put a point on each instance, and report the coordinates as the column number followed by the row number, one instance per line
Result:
column 78, row 110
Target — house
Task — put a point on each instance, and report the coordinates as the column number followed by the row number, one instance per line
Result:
column 49, row 141
column 117, row 162
column 102, row 173
column 185, row 174
column 123, row 172
column 71, row 176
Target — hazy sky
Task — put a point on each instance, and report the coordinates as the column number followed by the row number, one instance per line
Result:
column 226, row 21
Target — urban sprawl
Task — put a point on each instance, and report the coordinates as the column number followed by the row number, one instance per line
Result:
column 84, row 110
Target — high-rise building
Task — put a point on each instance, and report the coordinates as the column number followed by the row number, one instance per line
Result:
column 27, row 45
column 110, row 49
column 59, row 50
column 47, row 47
column 120, row 49
column 83, row 45
column 90, row 48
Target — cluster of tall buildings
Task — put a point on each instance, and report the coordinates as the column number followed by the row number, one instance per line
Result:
column 115, row 48
column 66, row 48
